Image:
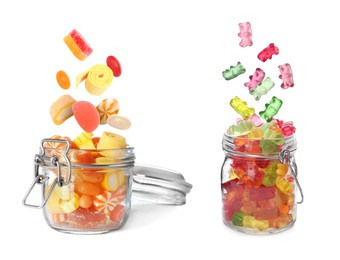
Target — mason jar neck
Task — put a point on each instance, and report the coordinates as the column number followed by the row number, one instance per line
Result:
column 244, row 147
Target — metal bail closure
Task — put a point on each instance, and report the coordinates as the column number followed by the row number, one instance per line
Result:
column 287, row 159
column 39, row 160
column 159, row 185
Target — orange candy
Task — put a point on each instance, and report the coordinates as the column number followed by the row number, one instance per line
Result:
column 117, row 214
column 91, row 176
column 63, row 79
column 106, row 201
column 85, row 201
column 106, row 108
column 86, row 115
column 88, row 188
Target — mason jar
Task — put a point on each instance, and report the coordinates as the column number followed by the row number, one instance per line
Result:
column 89, row 191
column 259, row 184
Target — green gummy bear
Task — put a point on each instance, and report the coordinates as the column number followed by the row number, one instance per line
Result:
column 233, row 72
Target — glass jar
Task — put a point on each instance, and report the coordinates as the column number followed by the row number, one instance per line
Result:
column 258, row 183
column 89, row 191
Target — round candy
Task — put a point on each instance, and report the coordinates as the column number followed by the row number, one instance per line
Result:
column 114, row 65
column 105, row 201
column 119, row 122
column 63, row 79
column 106, row 108
column 88, row 188
column 86, row 115
column 98, row 79
column 85, row 201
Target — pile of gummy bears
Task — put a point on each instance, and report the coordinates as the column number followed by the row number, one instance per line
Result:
column 258, row 190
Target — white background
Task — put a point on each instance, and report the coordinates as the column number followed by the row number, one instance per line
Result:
column 172, row 55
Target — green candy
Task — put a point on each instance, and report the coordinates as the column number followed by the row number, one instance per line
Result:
column 272, row 108
column 233, row 72
column 268, row 147
column 237, row 218
column 270, row 175
column 262, row 88
column 243, row 128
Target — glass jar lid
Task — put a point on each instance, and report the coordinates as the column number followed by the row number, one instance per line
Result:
column 157, row 185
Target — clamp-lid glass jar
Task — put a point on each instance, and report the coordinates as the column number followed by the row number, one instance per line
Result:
column 82, row 195
column 258, row 182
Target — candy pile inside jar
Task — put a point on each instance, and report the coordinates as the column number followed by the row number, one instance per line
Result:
column 258, row 190
column 95, row 196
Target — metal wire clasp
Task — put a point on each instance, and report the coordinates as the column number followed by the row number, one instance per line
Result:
column 287, row 159
column 42, row 178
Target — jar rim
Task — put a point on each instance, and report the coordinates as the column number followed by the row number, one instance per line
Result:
column 112, row 157
column 288, row 143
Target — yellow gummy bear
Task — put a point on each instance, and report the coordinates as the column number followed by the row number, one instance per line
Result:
column 241, row 107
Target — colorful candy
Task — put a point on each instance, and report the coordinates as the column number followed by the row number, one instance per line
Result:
column 77, row 44
column 98, row 79
column 245, row 34
column 233, row 72
column 262, row 88
column 86, row 115
column 61, row 109
column 117, row 214
column 241, row 107
column 105, row 202
column 63, row 79
column 106, row 108
column 272, row 108
column 119, row 122
column 286, row 75
column 241, row 129
column 268, row 52
column 255, row 79
column 114, row 65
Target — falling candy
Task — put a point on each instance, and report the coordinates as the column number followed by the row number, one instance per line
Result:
column 245, row 34
column 272, row 108
column 262, row 88
column 286, row 75
column 255, row 79
column 233, row 72
column 242, row 108
column 268, row 52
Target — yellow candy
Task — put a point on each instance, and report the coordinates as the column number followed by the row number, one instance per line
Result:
column 81, row 77
column 113, row 179
column 256, row 133
column 98, row 79
column 70, row 205
column 241, row 107
column 252, row 222
column 111, row 141
column 63, row 192
column 282, row 169
column 52, row 204
column 284, row 185
column 84, row 141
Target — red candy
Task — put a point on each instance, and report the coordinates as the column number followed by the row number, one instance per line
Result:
column 268, row 52
column 114, row 65
column 118, row 213
column 86, row 115
column 81, row 43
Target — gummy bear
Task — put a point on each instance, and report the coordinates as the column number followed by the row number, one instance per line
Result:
column 286, row 76
column 272, row 108
column 262, row 88
column 245, row 34
column 255, row 79
column 243, row 128
column 270, row 175
column 268, row 52
column 252, row 222
column 237, row 218
column 261, row 193
column 241, row 107
column 233, row 72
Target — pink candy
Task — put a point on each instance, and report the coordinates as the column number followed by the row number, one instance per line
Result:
column 245, row 34
column 268, row 52
column 286, row 76
column 287, row 128
column 254, row 118
column 255, row 79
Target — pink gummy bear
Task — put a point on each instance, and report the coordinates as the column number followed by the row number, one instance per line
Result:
column 255, row 79
column 268, row 52
column 245, row 34
column 287, row 128
column 286, row 76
